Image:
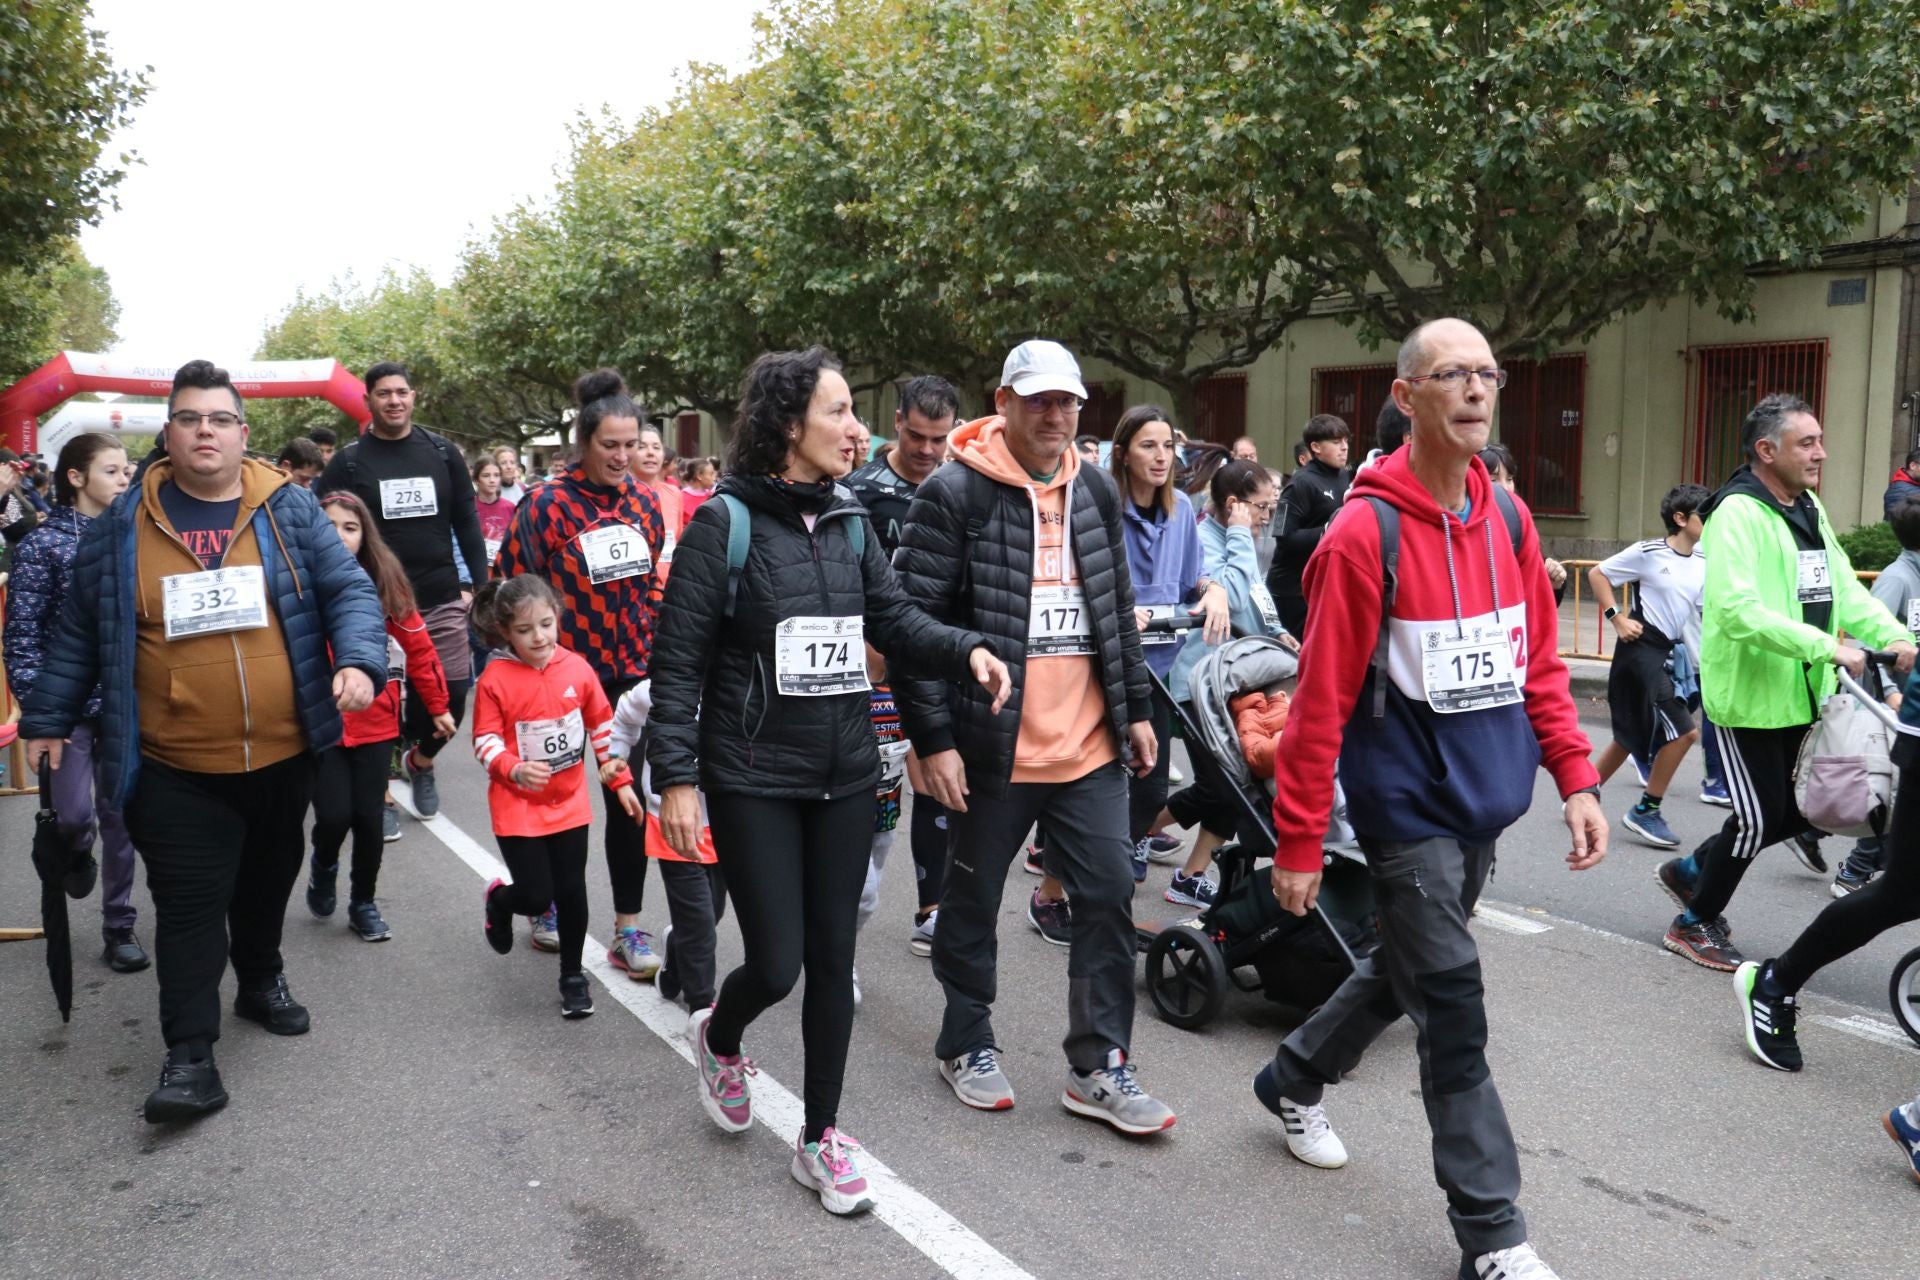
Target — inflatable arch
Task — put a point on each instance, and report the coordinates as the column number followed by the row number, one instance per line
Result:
column 71, row 372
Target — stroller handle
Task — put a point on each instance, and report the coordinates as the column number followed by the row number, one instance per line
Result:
column 1180, row 620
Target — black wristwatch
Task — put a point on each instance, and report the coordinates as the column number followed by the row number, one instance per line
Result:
column 1613, row 611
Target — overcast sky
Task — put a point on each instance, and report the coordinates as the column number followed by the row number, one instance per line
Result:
column 289, row 145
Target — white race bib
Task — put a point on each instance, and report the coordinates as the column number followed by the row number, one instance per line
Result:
column 1468, row 668
column 1058, row 624
column 666, row 547
column 405, row 499
column 814, row 657
column 560, row 743
column 493, row 548
column 1913, row 616
column 1155, row 611
column 614, row 551
column 1816, row 584
column 396, row 661
column 1269, row 611
column 198, row 604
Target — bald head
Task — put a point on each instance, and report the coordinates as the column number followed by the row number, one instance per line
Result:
column 1414, row 358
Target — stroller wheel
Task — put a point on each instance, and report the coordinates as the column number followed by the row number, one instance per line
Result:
column 1903, row 993
column 1186, row 976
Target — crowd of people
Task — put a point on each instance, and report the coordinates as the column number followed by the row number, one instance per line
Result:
column 232, row 665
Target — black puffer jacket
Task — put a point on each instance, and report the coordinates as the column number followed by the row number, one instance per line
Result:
column 717, row 720
column 986, row 581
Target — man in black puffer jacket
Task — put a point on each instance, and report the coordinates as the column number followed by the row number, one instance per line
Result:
column 1016, row 539
column 1310, row 502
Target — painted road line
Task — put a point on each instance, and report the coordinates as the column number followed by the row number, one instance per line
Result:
column 1508, row 921
column 1866, row 1028
column 944, row 1239
column 1858, row 1023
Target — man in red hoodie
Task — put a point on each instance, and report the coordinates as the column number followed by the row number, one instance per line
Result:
column 1436, row 763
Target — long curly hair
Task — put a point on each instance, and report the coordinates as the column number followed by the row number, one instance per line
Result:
column 773, row 399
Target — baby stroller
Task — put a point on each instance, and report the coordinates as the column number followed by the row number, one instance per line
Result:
column 1245, row 939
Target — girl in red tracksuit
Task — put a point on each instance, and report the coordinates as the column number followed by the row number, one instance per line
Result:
column 349, row 791
column 536, row 711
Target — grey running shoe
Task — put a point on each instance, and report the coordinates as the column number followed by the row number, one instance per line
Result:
column 977, row 1080
column 1113, row 1095
column 920, row 941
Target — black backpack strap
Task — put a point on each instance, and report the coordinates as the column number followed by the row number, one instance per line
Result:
column 1389, row 517
column 1511, row 514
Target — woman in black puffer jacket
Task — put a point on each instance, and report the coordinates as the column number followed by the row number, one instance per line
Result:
column 760, row 699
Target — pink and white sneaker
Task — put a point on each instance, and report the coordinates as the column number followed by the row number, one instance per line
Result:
column 828, row 1167
column 724, row 1090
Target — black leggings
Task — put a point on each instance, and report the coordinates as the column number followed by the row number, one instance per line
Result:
column 1147, row 795
column 416, row 722
column 550, row 869
column 795, row 869
column 929, row 848
column 349, row 794
column 1891, row 899
column 626, row 838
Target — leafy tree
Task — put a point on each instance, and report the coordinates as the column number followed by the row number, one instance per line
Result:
column 62, row 302
column 1545, row 166
column 61, row 98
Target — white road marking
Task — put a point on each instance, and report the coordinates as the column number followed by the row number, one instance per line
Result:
column 919, row 1221
column 1860, row 1024
column 1509, row 922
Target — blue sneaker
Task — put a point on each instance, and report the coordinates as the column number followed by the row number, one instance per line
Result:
column 1141, row 851
column 1907, row 1135
column 1641, row 770
column 1650, row 827
column 1714, row 792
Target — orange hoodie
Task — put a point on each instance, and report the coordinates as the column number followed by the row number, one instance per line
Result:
column 1063, row 709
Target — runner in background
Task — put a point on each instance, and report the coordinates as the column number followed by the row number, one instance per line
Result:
column 649, row 467
column 594, row 536
column 885, row 487
column 351, row 778
column 1651, row 718
column 91, row 471
column 493, row 507
column 510, row 486
column 416, row 485
column 537, row 713
column 697, row 478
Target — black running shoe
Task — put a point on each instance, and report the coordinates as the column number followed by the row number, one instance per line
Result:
column 576, row 997
column 188, row 1090
column 1806, row 847
column 321, row 879
column 123, row 953
column 499, row 921
column 366, row 921
column 273, row 1007
column 667, row 980
column 1768, row 1020
column 1704, row 942
column 1673, row 878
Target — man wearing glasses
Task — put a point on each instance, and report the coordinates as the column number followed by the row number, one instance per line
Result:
column 226, row 628
column 1313, row 495
column 1438, row 712
column 1018, row 539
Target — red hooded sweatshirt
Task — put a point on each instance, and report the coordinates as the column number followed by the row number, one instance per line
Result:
column 1418, row 772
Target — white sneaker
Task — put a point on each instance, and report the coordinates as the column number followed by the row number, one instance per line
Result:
column 1174, row 775
column 1517, row 1263
column 1310, row 1138
column 920, row 941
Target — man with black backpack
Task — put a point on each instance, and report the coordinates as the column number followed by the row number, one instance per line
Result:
column 1440, row 693
column 1018, row 540
column 418, row 488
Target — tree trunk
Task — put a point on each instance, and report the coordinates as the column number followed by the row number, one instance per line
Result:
column 1185, row 406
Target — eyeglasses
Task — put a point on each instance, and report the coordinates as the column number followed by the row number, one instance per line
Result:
column 1067, row 404
column 1269, row 506
column 1456, row 379
column 191, row 421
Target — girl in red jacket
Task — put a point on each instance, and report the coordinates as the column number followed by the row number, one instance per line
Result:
column 349, row 791
column 537, row 709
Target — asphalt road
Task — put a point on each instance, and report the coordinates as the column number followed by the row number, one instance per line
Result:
column 442, row 1120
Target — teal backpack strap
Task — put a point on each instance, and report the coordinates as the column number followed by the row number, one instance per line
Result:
column 739, row 533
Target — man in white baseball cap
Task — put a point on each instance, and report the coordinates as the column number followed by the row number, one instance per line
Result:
column 1038, row 365
column 1017, row 539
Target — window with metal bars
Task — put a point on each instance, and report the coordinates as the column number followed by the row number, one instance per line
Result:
column 1354, row 394
column 1542, row 418
column 686, row 435
column 1106, row 401
column 1220, row 409
column 1727, row 381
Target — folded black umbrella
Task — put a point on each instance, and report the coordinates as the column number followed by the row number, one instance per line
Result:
column 63, row 874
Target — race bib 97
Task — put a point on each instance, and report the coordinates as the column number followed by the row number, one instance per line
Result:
column 1815, row 585
column 216, row 600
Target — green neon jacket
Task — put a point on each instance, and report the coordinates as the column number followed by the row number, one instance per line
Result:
column 1761, row 665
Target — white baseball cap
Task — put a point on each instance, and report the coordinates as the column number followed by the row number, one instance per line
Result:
column 1039, row 365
